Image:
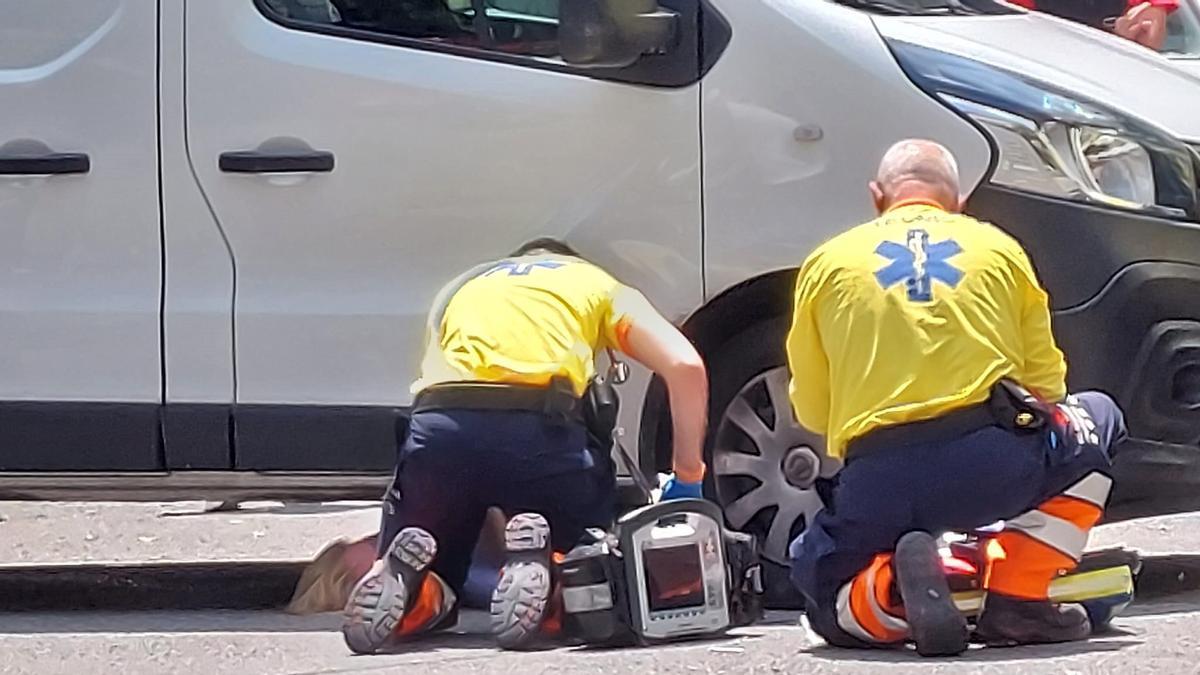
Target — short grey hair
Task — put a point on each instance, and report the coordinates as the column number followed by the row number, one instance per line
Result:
column 918, row 160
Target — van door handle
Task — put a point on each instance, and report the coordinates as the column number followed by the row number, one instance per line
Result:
column 259, row 161
column 54, row 163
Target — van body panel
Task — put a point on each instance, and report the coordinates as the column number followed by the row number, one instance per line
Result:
column 793, row 70
column 199, row 285
column 1082, row 61
column 80, row 284
column 440, row 162
column 79, row 265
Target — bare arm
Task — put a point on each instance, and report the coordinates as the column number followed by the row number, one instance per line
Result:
column 651, row 340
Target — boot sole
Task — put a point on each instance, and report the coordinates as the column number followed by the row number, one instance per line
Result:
column 938, row 628
column 522, row 596
column 378, row 601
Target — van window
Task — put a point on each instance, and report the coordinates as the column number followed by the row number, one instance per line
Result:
column 522, row 27
column 1183, row 32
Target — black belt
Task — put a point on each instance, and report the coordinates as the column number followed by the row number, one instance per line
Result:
column 952, row 425
column 551, row 401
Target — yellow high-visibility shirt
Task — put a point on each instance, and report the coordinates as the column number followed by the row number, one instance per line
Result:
column 911, row 316
column 526, row 320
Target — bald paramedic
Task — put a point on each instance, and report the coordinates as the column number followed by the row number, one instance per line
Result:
column 921, row 349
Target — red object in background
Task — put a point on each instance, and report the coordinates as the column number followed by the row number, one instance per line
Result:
column 1169, row 5
column 952, row 565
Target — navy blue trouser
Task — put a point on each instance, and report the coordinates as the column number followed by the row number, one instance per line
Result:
column 953, row 486
column 455, row 464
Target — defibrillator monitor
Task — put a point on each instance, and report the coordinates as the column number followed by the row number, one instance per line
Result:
column 674, row 578
column 675, row 565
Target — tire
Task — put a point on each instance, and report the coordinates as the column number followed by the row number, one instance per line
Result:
column 746, row 445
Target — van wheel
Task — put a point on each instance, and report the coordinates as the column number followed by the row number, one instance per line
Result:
column 752, row 434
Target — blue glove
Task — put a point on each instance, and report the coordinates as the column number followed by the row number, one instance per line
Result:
column 677, row 489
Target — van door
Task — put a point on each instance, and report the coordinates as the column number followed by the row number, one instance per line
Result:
column 80, row 259
column 359, row 154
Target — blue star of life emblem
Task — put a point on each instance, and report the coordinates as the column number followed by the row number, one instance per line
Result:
column 918, row 264
column 516, row 269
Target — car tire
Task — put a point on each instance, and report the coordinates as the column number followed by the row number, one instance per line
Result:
column 746, row 445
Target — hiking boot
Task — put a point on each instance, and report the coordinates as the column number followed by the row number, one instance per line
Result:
column 936, row 625
column 1008, row 621
column 521, row 603
column 379, row 600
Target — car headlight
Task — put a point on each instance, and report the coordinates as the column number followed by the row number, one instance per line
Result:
column 1052, row 143
column 1062, row 160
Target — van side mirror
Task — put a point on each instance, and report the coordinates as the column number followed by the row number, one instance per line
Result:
column 613, row 33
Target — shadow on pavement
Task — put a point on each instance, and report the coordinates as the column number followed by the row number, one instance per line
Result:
column 470, row 633
column 1158, row 606
column 175, row 586
column 977, row 653
column 159, row 622
column 1166, row 584
column 270, row 508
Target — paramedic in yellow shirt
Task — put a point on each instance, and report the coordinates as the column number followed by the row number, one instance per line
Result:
column 498, row 421
column 921, row 348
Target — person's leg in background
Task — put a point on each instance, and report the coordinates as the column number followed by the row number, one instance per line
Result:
column 1048, row 540
column 430, row 523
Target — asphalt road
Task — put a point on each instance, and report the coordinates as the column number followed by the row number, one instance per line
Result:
column 1159, row 635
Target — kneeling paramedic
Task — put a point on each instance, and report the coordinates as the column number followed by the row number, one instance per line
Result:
column 921, row 348
column 499, row 420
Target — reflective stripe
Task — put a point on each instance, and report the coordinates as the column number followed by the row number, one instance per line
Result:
column 845, row 616
column 880, row 627
column 1027, row 567
column 1079, row 513
column 1052, row 531
column 891, row 623
column 1094, row 489
column 593, row 598
column 435, row 599
column 1080, row 422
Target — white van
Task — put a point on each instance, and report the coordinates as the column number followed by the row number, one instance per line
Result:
column 223, row 220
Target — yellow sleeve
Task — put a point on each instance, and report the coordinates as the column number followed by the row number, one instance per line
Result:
column 625, row 306
column 1045, row 369
column 807, row 361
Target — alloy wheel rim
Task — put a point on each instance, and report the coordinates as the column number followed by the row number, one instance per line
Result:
column 756, row 434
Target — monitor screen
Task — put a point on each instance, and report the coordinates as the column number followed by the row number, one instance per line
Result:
column 673, row 577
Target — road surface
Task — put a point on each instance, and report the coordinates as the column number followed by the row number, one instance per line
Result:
column 1159, row 636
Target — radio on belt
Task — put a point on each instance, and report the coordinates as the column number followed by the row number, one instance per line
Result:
column 670, row 572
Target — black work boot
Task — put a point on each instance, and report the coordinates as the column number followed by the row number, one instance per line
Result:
column 936, row 625
column 1007, row 621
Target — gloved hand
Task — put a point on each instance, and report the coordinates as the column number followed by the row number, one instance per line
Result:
column 677, row 489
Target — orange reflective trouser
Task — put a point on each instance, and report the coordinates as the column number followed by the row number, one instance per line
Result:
column 1049, row 498
column 1043, row 543
column 431, row 603
column 867, row 607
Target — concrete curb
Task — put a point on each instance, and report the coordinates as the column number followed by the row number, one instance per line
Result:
column 269, row 585
column 1166, row 575
column 189, row 586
